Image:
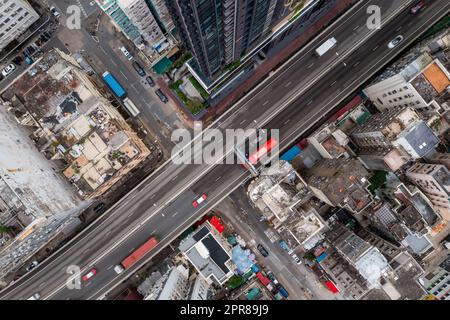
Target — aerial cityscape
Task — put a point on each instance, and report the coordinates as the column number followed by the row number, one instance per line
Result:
column 235, row 151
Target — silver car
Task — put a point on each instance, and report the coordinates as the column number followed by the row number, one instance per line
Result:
column 395, row 42
column 8, row 70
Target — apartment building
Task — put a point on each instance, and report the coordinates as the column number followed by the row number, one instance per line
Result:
column 16, row 16
column 389, row 139
column 434, row 181
column 422, row 84
column 139, row 14
column 219, row 32
column 174, row 285
column 120, row 19
column 162, row 15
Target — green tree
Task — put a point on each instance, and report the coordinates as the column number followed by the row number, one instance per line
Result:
column 5, row 229
column 377, row 180
column 235, row 282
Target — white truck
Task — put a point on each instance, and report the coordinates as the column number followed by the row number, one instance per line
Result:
column 131, row 107
column 325, row 47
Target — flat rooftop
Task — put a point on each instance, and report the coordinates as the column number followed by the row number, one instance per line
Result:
column 206, row 254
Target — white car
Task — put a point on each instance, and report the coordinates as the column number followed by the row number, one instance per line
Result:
column 296, row 259
column 126, row 53
column 195, row 203
column 395, row 42
column 119, row 269
column 54, row 12
column 35, row 296
column 8, row 70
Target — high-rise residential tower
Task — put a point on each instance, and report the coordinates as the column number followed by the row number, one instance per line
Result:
column 219, row 32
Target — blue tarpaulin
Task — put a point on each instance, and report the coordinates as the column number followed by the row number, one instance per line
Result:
column 321, row 257
column 291, row 154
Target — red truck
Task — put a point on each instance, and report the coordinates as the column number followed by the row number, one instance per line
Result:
column 136, row 255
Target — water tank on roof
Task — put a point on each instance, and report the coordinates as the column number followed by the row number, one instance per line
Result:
column 202, row 250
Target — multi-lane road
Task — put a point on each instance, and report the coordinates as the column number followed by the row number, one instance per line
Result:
column 292, row 99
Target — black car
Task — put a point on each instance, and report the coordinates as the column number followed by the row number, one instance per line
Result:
column 99, row 208
column 161, row 96
column 138, row 69
column 18, row 60
column 263, row 250
column 150, row 81
column 32, row 265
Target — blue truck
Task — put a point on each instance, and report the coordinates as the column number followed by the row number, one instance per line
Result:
column 284, row 246
column 282, row 291
column 113, row 84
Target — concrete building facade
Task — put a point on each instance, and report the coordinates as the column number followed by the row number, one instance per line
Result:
column 434, row 181
column 418, row 84
column 219, row 32
column 174, row 285
column 139, row 14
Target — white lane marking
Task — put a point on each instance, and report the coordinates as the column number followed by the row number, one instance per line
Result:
column 109, row 268
column 174, row 178
column 310, row 66
column 243, row 121
column 375, row 48
column 356, row 63
column 309, row 103
column 124, row 75
column 266, row 102
column 287, row 121
column 176, row 212
column 287, row 84
column 333, row 83
column 356, row 28
column 131, row 250
column 217, row 179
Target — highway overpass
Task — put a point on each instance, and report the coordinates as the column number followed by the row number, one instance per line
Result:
column 294, row 98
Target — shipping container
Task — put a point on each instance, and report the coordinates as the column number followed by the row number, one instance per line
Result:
column 139, row 252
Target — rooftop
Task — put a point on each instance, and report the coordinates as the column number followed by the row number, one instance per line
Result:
column 207, row 254
column 342, row 181
column 75, row 123
column 418, row 140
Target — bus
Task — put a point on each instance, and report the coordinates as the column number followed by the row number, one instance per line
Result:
column 131, row 107
column 262, row 151
column 114, row 85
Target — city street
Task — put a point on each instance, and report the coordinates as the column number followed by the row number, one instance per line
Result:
column 297, row 279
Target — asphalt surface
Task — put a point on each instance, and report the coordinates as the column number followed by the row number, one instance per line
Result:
column 294, row 98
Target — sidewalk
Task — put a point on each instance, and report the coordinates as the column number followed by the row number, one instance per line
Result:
column 284, row 54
